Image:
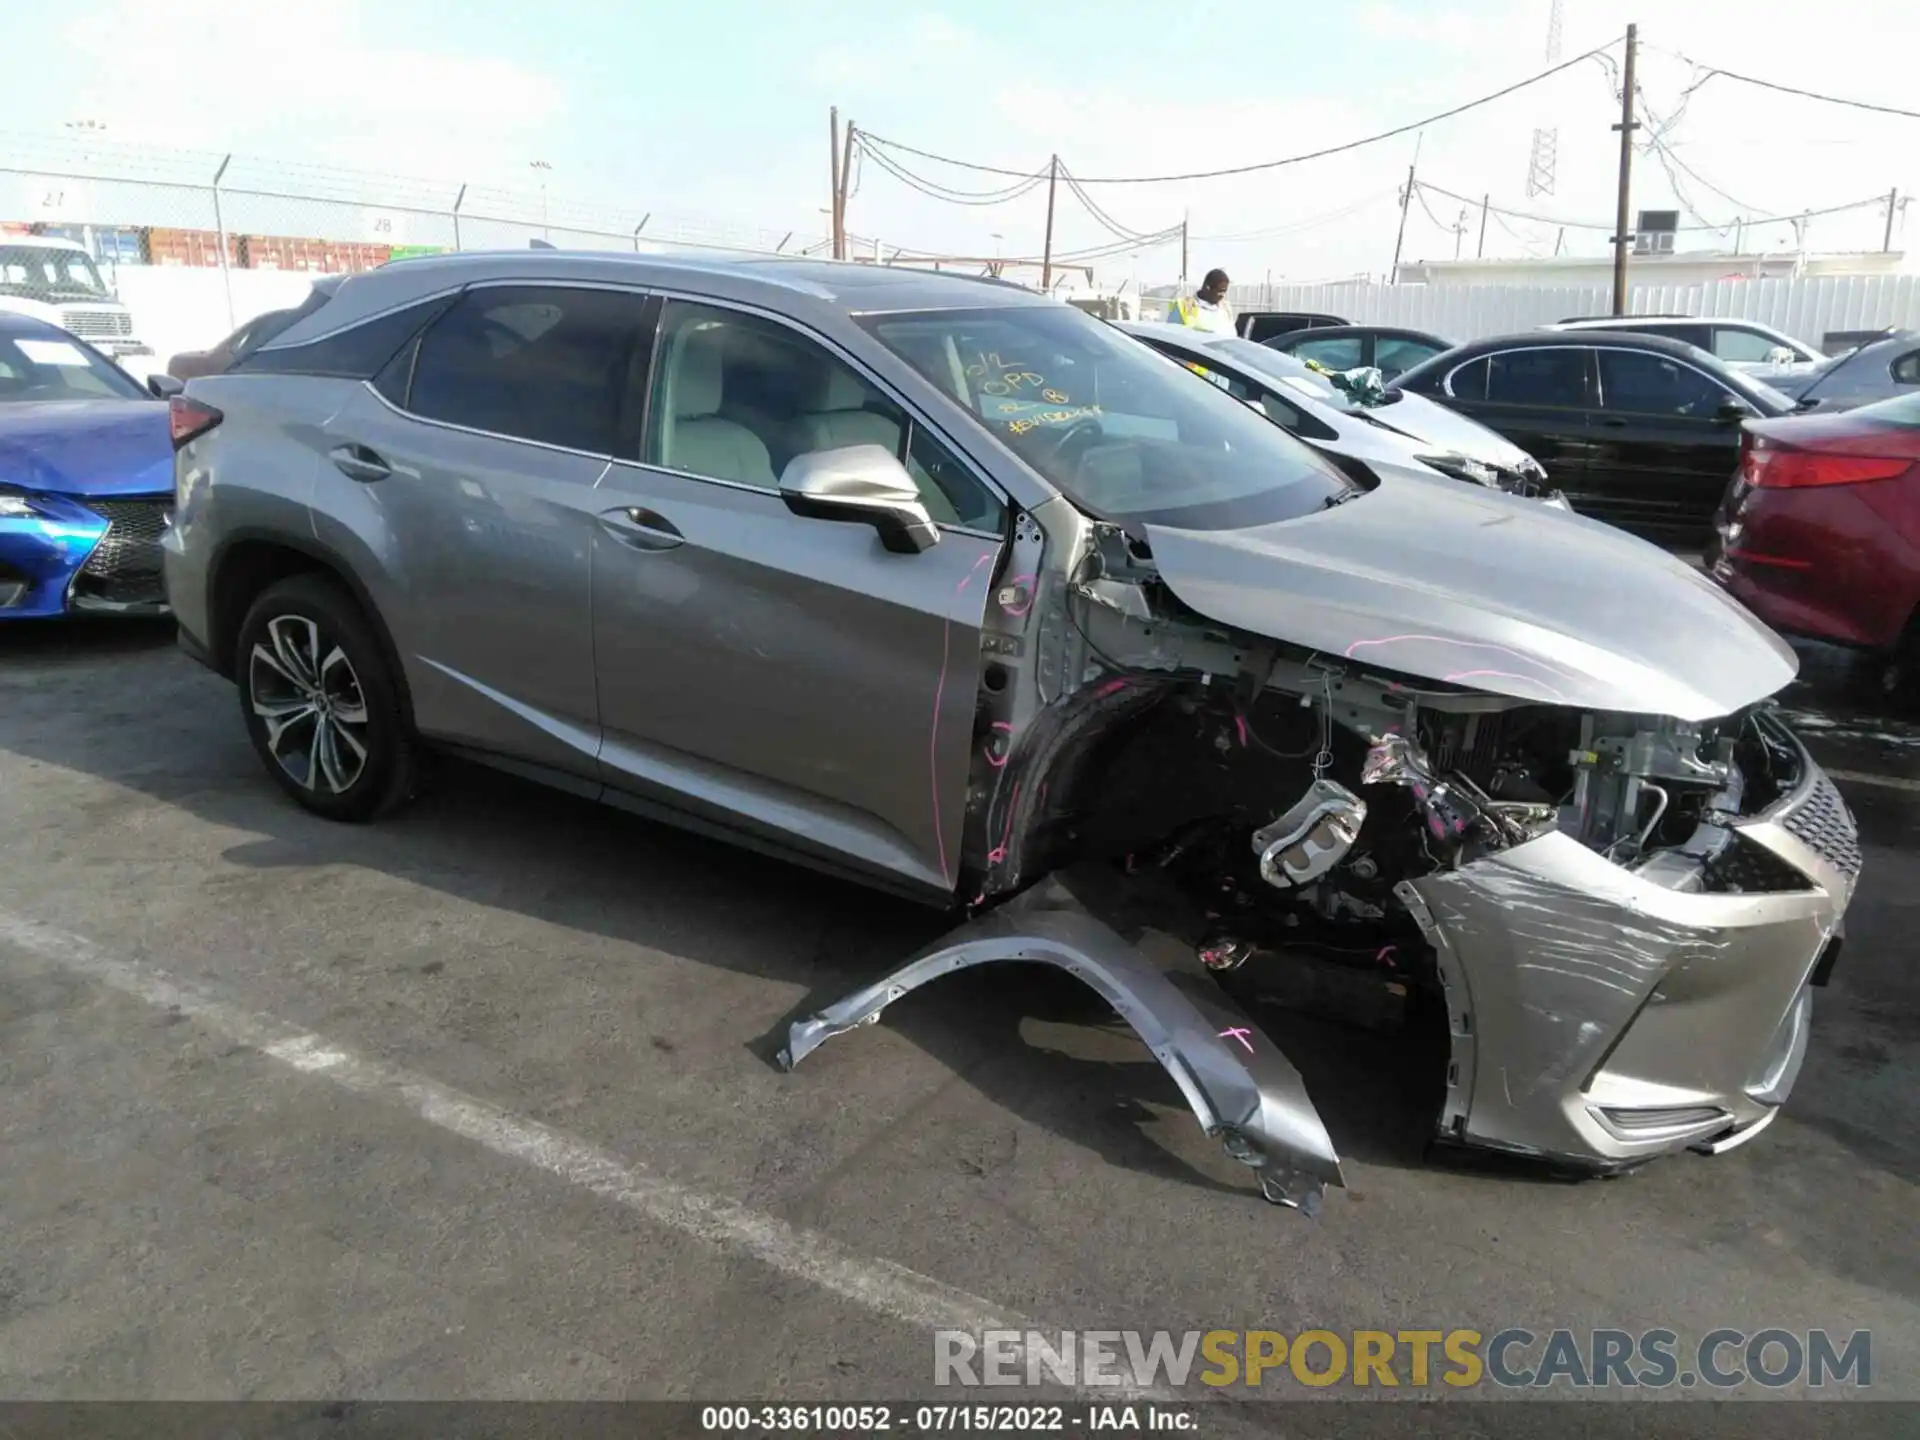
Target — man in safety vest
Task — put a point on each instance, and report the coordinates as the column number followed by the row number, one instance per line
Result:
column 1208, row 310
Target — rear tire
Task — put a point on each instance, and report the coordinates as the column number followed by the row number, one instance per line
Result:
column 321, row 703
column 1899, row 678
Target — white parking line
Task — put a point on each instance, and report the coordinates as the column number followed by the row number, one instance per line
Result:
column 1885, row 782
column 879, row 1285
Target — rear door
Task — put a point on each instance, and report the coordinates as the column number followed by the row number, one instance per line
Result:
column 1663, row 452
column 1540, row 398
column 783, row 677
column 466, row 477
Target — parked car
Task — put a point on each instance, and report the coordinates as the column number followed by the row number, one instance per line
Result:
column 1878, row 371
column 1635, row 430
column 1260, row 325
column 948, row 587
column 86, row 479
column 1407, row 430
column 1743, row 344
column 56, row 281
column 1385, row 348
column 1820, row 533
column 256, row 332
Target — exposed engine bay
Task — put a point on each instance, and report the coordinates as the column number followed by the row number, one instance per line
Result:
column 1324, row 832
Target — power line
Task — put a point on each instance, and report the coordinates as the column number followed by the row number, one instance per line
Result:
column 1094, row 209
column 1264, row 164
column 938, row 191
column 1713, row 70
column 1295, row 227
column 1751, row 221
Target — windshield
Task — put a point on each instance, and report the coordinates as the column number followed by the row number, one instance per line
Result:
column 1110, row 424
column 52, row 367
column 40, row 274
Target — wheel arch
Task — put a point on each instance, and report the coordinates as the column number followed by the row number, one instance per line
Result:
column 250, row 561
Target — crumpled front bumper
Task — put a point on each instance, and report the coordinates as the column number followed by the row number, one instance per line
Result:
column 43, row 557
column 1601, row 1016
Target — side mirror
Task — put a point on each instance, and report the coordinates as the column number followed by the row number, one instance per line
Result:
column 863, row 483
column 1732, row 412
column 164, row 387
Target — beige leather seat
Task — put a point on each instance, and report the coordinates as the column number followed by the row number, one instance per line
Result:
column 841, row 421
column 695, row 439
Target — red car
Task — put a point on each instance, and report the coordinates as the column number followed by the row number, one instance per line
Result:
column 1819, row 534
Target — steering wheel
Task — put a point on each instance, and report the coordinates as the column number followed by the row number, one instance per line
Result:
column 1071, row 440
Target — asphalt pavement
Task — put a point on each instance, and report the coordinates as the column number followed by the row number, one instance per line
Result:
column 479, row 1102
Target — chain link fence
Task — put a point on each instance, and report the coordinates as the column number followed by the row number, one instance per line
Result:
column 195, row 243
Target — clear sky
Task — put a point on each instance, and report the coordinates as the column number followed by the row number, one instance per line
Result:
column 718, row 108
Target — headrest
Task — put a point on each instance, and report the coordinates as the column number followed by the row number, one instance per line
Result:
column 843, row 391
column 698, row 378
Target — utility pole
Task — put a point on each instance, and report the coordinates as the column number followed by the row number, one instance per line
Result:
column 846, row 184
column 833, row 161
column 1893, row 206
column 1406, row 199
column 1481, row 253
column 1183, row 250
column 1046, row 251
column 1626, row 127
column 1459, row 232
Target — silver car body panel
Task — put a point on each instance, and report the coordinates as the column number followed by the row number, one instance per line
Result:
column 1880, row 370
column 1466, row 586
column 917, row 720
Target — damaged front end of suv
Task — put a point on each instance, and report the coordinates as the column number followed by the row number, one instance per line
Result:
column 1426, row 752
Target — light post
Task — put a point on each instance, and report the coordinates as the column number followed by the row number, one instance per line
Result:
column 544, row 169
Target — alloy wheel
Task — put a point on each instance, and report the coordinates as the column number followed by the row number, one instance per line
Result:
column 305, row 691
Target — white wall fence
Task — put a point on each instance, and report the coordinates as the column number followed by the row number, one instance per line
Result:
column 1807, row 307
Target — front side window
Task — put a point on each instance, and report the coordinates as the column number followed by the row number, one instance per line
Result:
column 543, row 363
column 54, row 367
column 49, row 275
column 737, row 398
column 1107, row 422
column 1637, row 382
column 1556, row 378
column 1743, row 347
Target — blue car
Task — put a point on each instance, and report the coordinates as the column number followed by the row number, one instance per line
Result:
column 86, row 479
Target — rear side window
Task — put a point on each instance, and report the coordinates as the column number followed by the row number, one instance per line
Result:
column 1637, row 382
column 1906, row 370
column 356, row 353
column 1538, row 377
column 1743, row 346
column 536, row 362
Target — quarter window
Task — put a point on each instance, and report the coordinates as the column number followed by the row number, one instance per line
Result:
column 1906, row 370
column 1639, row 383
column 543, row 363
column 737, row 398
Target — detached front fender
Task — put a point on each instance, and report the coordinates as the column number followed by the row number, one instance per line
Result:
column 1242, row 1090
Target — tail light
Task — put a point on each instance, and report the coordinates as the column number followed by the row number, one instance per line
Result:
column 187, row 419
column 1771, row 465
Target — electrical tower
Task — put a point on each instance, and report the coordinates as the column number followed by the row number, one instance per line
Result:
column 1546, row 141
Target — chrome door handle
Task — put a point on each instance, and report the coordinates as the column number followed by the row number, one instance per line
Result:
column 357, row 462
column 641, row 528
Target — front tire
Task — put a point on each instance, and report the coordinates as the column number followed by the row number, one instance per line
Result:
column 321, row 703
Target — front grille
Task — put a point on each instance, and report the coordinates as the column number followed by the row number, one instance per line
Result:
column 131, row 547
column 97, row 324
column 1745, row 868
column 1824, row 824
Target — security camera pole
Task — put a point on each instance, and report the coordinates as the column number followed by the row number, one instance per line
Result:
column 1626, row 127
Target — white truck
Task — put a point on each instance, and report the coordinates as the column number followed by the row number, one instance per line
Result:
column 57, row 281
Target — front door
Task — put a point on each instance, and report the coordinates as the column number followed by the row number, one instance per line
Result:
column 471, row 477
column 1539, row 397
column 1664, row 453
column 785, row 677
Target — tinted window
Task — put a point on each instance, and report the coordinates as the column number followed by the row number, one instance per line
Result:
column 737, row 398
column 1342, row 352
column 1538, row 377
column 1107, row 421
column 353, row 354
column 1743, row 346
column 1394, row 355
column 1906, row 370
column 542, row 363
column 1641, row 383
column 1469, row 382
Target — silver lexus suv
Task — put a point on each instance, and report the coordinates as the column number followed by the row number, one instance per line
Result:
column 942, row 585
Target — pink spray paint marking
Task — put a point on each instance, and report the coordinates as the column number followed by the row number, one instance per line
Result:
column 1112, row 687
column 1240, row 1033
column 1460, row 675
column 1459, row 645
column 939, row 699
column 999, row 761
column 999, row 852
column 1240, row 724
column 1385, row 956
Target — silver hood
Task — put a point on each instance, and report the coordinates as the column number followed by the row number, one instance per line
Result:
column 1486, row 591
column 1439, row 429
